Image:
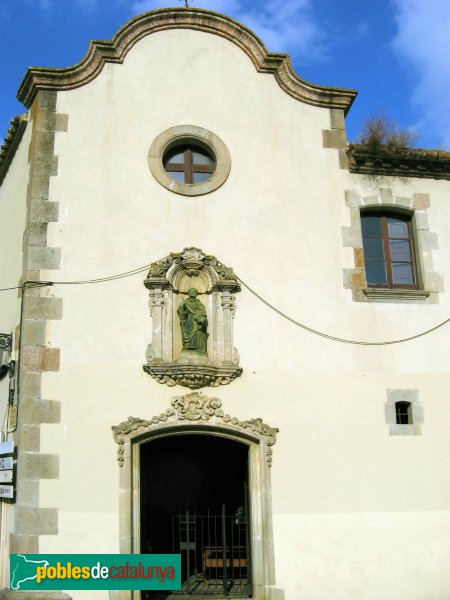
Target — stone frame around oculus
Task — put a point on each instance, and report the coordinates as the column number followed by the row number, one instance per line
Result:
column 168, row 282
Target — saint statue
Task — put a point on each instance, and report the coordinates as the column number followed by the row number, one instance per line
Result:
column 194, row 324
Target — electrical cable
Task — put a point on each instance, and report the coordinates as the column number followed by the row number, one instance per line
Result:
column 19, row 358
column 332, row 337
column 5, row 416
column 28, row 284
column 17, row 287
column 102, row 279
column 31, row 284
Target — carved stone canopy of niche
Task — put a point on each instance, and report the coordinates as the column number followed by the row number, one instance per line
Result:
column 194, row 407
column 172, row 357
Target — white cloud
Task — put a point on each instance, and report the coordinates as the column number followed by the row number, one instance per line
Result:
column 40, row 4
column 283, row 25
column 5, row 13
column 144, row 5
column 361, row 31
column 87, row 5
column 423, row 39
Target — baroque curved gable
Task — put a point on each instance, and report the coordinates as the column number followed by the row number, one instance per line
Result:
column 115, row 51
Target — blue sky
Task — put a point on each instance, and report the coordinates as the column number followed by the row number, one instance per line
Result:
column 396, row 53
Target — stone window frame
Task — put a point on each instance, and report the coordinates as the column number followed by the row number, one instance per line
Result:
column 416, row 410
column 189, row 134
column 430, row 282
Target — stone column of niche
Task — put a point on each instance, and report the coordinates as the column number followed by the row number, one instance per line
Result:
column 217, row 329
column 167, row 334
column 160, row 350
column 155, row 303
column 228, row 310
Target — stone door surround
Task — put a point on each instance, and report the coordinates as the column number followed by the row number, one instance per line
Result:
column 196, row 413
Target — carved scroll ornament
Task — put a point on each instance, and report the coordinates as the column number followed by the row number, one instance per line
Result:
column 192, row 261
column 197, row 408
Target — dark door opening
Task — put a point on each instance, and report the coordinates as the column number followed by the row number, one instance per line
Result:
column 194, row 502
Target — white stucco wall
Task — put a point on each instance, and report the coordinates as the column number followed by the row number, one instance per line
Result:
column 13, row 193
column 13, row 206
column 357, row 513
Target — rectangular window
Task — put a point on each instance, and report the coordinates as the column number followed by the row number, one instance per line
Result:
column 388, row 250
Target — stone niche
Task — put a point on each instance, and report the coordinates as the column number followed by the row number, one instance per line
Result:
column 169, row 281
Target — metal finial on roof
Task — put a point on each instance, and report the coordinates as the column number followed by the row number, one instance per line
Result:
column 186, row 2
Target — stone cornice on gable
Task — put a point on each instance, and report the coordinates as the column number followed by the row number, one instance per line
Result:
column 115, row 50
column 11, row 143
column 414, row 162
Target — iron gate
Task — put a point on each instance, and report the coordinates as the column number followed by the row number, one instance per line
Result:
column 215, row 553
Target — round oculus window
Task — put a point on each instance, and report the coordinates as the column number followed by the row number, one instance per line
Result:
column 188, row 163
column 189, row 160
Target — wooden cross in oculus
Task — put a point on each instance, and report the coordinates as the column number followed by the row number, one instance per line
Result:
column 189, row 164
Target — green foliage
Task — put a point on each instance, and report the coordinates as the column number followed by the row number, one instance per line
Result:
column 380, row 134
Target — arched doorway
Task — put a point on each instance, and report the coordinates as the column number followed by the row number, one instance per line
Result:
column 194, row 501
column 198, row 415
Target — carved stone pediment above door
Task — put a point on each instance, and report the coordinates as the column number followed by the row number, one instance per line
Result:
column 192, row 306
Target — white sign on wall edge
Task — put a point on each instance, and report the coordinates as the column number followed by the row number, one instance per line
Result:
column 6, row 447
column 6, row 463
column 6, row 476
column 6, row 491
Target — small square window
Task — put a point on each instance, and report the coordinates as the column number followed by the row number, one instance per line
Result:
column 403, row 412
